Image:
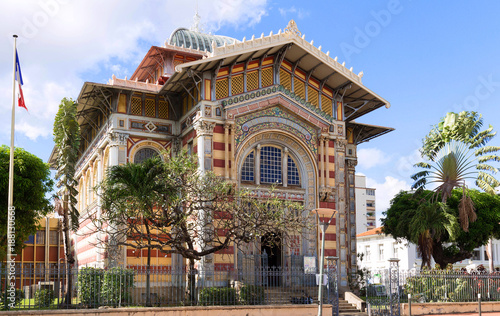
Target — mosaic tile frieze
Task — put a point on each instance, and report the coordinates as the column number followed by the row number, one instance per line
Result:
column 275, row 118
column 233, row 100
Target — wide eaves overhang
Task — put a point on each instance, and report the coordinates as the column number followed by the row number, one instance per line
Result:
column 358, row 99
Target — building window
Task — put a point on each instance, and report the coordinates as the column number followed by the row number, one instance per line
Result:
column 247, row 170
column 368, row 253
column 270, row 165
column 370, row 192
column 144, row 154
column 381, row 252
column 31, row 239
column 293, row 172
column 395, row 249
column 276, row 166
column 53, row 237
column 370, row 204
column 476, row 254
column 40, row 237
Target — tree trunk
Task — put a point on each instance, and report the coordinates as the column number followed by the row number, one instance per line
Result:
column 148, row 271
column 192, row 282
column 438, row 253
column 69, row 259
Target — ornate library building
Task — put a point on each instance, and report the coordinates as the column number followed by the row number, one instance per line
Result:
column 257, row 111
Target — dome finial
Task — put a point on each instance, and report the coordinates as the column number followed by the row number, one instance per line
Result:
column 196, row 27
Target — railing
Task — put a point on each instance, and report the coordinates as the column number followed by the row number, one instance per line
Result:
column 41, row 287
column 433, row 286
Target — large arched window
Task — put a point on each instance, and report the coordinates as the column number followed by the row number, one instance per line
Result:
column 270, row 165
column 144, row 154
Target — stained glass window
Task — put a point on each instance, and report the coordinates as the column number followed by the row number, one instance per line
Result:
column 144, row 154
column 270, row 165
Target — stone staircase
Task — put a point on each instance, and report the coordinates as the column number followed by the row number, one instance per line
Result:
column 282, row 296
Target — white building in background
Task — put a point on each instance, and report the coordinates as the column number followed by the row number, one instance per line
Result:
column 365, row 205
column 377, row 249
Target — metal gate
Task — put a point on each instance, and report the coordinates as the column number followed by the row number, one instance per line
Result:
column 333, row 284
column 383, row 291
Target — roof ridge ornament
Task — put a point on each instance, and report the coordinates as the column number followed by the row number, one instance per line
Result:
column 292, row 28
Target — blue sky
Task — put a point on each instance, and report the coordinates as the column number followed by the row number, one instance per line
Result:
column 426, row 58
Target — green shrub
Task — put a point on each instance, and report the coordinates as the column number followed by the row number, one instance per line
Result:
column 116, row 286
column 18, row 297
column 89, row 285
column 252, row 295
column 217, row 296
column 44, row 298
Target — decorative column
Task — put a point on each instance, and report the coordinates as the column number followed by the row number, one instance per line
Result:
column 257, row 164
column 227, row 127
column 351, row 212
column 204, row 133
column 340, row 199
column 116, row 255
column 322, row 140
column 284, row 167
column 99, row 160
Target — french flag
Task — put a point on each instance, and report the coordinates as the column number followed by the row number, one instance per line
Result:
column 19, row 79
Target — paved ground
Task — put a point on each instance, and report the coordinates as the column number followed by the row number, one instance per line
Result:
column 470, row 314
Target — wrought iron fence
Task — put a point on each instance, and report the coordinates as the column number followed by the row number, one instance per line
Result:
column 385, row 289
column 41, row 287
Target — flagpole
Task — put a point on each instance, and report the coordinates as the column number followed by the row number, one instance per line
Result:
column 11, row 210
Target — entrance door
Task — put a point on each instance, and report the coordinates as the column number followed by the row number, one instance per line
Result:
column 272, row 253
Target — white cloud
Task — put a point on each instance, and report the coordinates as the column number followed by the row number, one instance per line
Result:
column 371, row 157
column 64, row 43
column 385, row 192
column 301, row 13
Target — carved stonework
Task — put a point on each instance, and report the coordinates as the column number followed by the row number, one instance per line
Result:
column 118, row 139
column 326, row 194
column 352, row 163
column 292, row 28
column 340, row 144
column 176, row 145
column 204, row 128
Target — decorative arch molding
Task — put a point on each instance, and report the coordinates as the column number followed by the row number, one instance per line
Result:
column 144, row 144
column 275, row 118
column 301, row 152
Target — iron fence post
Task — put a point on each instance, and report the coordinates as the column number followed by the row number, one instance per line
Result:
column 333, row 290
column 394, row 286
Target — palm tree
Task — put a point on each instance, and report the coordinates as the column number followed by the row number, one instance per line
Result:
column 457, row 151
column 428, row 226
column 134, row 191
column 67, row 141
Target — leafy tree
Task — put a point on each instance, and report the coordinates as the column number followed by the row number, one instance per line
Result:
column 188, row 208
column 457, row 150
column 450, row 245
column 67, row 141
column 32, row 183
column 132, row 192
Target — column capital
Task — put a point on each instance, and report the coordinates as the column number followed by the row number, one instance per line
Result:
column 204, row 128
column 118, row 139
column 351, row 163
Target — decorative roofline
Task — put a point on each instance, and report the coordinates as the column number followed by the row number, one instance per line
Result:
column 135, row 84
column 291, row 33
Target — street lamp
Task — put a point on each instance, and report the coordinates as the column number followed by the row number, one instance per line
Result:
column 324, row 227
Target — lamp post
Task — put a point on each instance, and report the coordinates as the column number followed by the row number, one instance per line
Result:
column 324, row 226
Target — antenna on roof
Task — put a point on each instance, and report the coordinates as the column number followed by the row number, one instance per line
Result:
column 196, row 21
